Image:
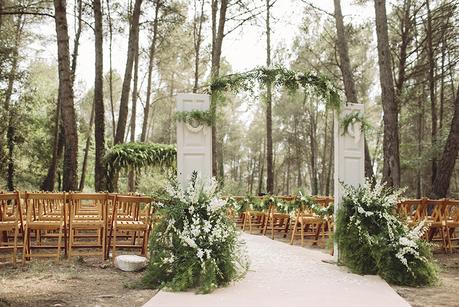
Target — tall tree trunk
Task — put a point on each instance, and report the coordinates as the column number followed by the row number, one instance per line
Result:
column 9, row 109
column 100, row 174
column 84, row 165
column 151, row 59
column 66, row 95
column 76, row 40
column 218, row 28
column 348, row 79
column 432, row 85
column 131, row 175
column 261, row 167
column 269, row 117
column 110, row 80
column 391, row 167
column 446, row 164
column 132, row 47
column 58, row 146
column 197, row 40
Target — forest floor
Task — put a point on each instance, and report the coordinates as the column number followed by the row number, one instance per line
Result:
column 445, row 293
column 88, row 282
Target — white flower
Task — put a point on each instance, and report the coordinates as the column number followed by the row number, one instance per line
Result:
column 200, row 253
column 216, row 204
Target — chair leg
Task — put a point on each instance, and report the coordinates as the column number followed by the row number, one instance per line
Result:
column 15, row 244
column 293, row 233
column 103, row 242
column 59, row 238
column 25, row 244
column 302, row 234
column 70, row 242
column 114, row 245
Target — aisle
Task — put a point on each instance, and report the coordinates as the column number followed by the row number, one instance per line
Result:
column 282, row 275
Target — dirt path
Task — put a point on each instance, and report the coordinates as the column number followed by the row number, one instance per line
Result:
column 69, row 283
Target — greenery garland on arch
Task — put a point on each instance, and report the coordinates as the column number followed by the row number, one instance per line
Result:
column 277, row 76
column 137, row 156
column 194, row 117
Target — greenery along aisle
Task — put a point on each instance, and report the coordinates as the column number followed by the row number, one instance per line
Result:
column 373, row 240
column 195, row 245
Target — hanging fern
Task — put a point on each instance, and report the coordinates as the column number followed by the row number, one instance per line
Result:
column 138, row 156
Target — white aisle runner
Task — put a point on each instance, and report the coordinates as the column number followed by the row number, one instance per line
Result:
column 282, row 275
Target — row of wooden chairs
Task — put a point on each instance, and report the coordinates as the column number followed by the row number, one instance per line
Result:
column 441, row 218
column 440, row 215
column 71, row 222
column 302, row 223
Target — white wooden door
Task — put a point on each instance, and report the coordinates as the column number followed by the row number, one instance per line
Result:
column 194, row 143
column 349, row 157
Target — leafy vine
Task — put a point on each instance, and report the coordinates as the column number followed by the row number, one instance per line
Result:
column 194, row 117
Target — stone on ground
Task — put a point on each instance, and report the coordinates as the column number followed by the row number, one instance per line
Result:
column 130, row 263
column 282, row 275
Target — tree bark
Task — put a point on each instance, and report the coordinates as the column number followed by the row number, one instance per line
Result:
column 348, row 79
column 151, row 56
column 197, row 40
column 100, row 176
column 66, row 95
column 448, row 160
column 269, row 117
column 432, row 90
column 218, row 28
column 131, row 175
column 391, row 167
column 9, row 110
column 58, row 146
column 76, row 40
column 133, row 42
column 84, row 165
column 110, row 80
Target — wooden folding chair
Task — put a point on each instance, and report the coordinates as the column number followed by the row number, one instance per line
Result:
column 452, row 223
column 131, row 220
column 254, row 219
column 434, row 214
column 277, row 221
column 87, row 222
column 10, row 222
column 45, row 213
column 307, row 224
column 412, row 210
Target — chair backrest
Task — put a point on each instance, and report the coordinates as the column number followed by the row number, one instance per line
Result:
column 415, row 209
column 88, row 205
column 435, row 209
column 44, row 206
column 452, row 211
column 133, row 207
column 10, row 207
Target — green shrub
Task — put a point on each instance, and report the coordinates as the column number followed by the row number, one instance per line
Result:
column 373, row 240
column 195, row 245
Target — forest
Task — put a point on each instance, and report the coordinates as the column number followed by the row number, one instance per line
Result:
column 78, row 77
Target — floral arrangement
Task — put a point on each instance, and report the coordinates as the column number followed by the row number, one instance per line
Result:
column 195, row 245
column 373, row 240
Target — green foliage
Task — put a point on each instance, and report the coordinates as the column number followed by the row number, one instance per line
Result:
column 279, row 76
column 195, row 245
column 194, row 116
column 372, row 239
column 352, row 118
column 139, row 155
